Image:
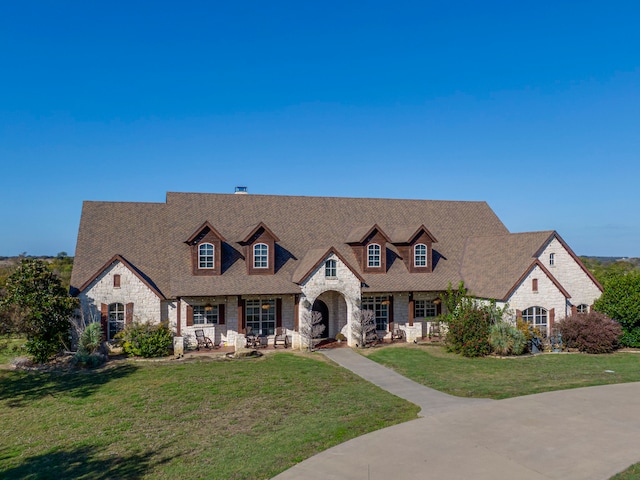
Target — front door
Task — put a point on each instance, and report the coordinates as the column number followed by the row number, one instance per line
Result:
column 320, row 306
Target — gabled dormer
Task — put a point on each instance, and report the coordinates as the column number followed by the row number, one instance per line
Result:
column 370, row 248
column 206, row 250
column 416, row 248
column 260, row 250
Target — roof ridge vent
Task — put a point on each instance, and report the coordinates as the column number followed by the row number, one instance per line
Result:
column 241, row 191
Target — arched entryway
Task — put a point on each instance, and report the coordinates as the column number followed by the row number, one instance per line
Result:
column 321, row 307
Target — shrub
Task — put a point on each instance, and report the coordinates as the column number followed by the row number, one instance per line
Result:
column 591, row 332
column 468, row 329
column 505, row 339
column 89, row 345
column 146, row 340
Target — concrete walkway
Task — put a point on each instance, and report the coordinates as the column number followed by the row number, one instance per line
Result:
column 586, row 433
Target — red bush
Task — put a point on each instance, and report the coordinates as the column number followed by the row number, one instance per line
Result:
column 590, row 332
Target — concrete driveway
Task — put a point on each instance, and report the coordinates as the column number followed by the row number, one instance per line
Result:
column 586, row 433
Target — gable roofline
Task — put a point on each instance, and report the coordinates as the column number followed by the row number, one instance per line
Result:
column 361, row 238
column 536, row 263
column 557, row 236
column 134, row 270
column 420, row 229
column 252, row 230
column 332, row 250
column 199, row 230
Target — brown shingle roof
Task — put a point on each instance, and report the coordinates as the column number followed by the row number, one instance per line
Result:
column 152, row 236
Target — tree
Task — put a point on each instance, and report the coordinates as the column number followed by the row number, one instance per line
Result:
column 621, row 301
column 311, row 327
column 363, row 327
column 43, row 307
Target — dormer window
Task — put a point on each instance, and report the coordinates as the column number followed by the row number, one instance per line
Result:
column 205, row 244
column 206, row 256
column 420, row 255
column 261, row 255
column 373, row 255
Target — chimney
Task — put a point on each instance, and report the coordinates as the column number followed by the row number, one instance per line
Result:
column 241, row 191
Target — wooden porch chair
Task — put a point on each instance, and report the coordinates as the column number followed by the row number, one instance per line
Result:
column 252, row 340
column 398, row 335
column 203, row 341
column 281, row 337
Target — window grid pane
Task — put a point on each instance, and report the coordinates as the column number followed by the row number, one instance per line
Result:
column 260, row 256
column 374, row 255
column 116, row 319
column 425, row 309
column 420, row 255
column 380, row 309
column 260, row 315
column 205, row 255
column 330, row 268
column 202, row 316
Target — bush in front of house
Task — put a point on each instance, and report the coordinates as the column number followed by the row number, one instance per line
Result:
column 468, row 330
column 506, row 339
column 146, row 340
column 591, row 332
column 89, row 346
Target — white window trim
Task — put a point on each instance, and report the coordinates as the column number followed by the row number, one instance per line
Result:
column 205, row 315
column 261, row 256
column 423, row 256
column 330, row 269
column 370, row 247
column 203, row 258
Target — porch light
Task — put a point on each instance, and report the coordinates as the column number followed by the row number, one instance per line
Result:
column 437, row 301
column 208, row 307
column 266, row 306
column 385, row 302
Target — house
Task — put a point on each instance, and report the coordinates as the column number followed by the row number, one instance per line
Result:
column 226, row 263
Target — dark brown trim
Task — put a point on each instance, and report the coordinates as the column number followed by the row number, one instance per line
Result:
column 527, row 272
column 574, row 309
column 116, row 280
column 534, row 284
column 128, row 313
column 189, row 316
column 412, row 306
column 391, row 316
column 221, row 314
column 241, row 320
column 254, row 231
column 296, row 312
column 552, row 319
column 121, row 259
column 519, row 315
column 104, row 320
column 178, row 317
column 278, row 312
column 198, row 231
column 323, row 258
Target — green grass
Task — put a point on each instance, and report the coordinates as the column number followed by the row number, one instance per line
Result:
column 497, row 378
column 239, row 419
column 632, row 473
column 11, row 347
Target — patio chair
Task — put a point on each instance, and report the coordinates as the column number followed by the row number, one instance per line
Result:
column 251, row 338
column 398, row 334
column 281, row 337
column 203, row 341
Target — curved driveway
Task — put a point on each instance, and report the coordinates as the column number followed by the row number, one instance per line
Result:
column 586, row 433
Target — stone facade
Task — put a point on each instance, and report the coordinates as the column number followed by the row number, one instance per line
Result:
column 147, row 306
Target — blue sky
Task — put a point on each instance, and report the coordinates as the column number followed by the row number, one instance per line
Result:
column 533, row 107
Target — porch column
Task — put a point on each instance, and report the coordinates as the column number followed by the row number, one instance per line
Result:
column 411, row 309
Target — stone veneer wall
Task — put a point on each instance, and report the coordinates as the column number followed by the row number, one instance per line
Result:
column 146, row 304
column 547, row 296
column 570, row 275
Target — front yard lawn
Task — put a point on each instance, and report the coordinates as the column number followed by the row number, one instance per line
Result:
column 492, row 377
column 240, row 419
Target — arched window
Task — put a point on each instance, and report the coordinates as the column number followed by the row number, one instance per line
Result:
column 116, row 319
column 205, row 256
column 420, row 255
column 373, row 256
column 330, row 269
column 537, row 317
column 260, row 255
column 582, row 308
